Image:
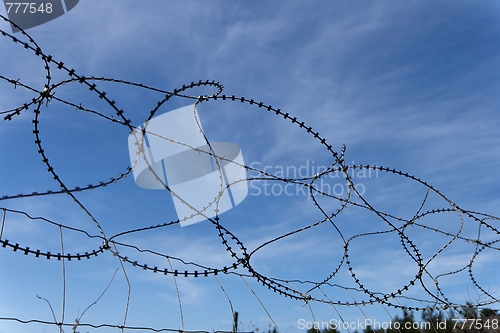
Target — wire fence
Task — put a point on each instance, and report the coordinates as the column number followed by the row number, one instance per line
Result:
column 324, row 292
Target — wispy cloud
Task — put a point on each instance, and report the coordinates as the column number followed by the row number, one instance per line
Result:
column 402, row 86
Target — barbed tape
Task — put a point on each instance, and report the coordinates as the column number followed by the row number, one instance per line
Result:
column 233, row 246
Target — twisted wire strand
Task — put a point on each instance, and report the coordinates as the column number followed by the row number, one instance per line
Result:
column 234, row 247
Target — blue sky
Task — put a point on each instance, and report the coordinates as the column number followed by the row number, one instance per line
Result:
column 409, row 86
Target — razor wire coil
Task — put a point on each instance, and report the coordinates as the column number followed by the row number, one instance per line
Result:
column 241, row 256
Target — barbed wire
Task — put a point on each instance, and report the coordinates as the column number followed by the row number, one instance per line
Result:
column 241, row 256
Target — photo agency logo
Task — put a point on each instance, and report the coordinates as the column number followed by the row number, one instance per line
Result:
column 171, row 152
column 27, row 15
